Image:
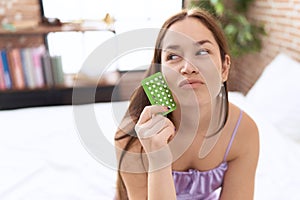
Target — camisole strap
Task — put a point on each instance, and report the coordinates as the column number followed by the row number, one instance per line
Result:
column 233, row 135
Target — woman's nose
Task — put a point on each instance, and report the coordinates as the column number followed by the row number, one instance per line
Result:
column 188, row 68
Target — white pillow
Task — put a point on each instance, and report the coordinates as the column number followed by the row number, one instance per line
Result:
column 276, row 94
column 238, row 99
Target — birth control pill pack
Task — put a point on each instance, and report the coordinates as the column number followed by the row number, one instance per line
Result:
column 158, row 92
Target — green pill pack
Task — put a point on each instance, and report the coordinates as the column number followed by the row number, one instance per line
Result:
column 158, row 92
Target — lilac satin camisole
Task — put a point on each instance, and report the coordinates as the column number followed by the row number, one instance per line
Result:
column 203, row 185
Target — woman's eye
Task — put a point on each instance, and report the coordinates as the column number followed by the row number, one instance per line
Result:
column 202, row 52
column 172, row 57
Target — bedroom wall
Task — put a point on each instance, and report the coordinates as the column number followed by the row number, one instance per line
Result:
column 282, row 24
column 281, row 19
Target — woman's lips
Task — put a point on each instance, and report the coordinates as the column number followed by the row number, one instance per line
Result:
column 190, row 83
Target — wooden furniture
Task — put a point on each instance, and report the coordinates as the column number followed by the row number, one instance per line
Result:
column 56, row 95
column 120, row 90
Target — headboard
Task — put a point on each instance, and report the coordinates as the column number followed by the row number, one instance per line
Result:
column 245, row 71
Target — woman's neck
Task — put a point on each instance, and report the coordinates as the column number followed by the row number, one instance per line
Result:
column 186, row 117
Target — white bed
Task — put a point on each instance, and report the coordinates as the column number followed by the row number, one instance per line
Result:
column 42, row 156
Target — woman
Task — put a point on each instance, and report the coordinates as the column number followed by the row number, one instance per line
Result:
column 207, row 148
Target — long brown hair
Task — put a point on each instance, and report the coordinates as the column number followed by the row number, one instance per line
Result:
column 139, row 99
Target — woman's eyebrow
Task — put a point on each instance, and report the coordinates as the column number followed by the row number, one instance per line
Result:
column 173, row 47
column 201, row 42
column 176, row 46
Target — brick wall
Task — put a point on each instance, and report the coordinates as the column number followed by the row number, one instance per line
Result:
column 19, row 11
column 282, row 24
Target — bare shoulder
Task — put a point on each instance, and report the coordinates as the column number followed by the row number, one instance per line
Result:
column 243, row 157
column 248, row 129
column 247, row 136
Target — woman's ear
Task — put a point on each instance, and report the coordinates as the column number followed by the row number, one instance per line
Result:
column 225, row 68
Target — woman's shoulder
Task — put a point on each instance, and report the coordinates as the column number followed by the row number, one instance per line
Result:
column 247, row 124
column 247, row 135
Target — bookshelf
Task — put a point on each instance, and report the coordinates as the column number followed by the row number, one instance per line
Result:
column 60, row 94
column 54, row 96
column 45, row 29
column 119, row 90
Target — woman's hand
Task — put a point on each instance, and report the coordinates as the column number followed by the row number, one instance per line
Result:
column 154, row 132
column 153, row 129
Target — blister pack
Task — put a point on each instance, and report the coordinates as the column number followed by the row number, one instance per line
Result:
column 158, row 92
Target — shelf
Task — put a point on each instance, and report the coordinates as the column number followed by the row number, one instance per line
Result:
column 66, row 27
column 12, row 99
column 120, row 90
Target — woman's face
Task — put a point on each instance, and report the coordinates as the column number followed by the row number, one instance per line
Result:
column 191, row 61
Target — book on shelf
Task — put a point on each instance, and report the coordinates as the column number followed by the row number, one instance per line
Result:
column 53, row 70
column 37, row 65
column 57, row 70
column 27, row 67
column 30, row 68
column 6, row 72
column 16, row 69
column 47, row 69
column 2, row 81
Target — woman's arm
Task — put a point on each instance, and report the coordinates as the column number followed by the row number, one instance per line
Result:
column 136, row 185
column 155, row 183
column 153, row 176
column 240, row 177
column 154, row 132
column 161, row 184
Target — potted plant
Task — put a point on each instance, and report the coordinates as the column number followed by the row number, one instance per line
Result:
column 242, row 35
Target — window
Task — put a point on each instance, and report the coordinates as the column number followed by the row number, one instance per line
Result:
column 128, row 14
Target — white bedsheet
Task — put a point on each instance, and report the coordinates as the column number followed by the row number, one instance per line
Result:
column 278, row 175
column 41, row 157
